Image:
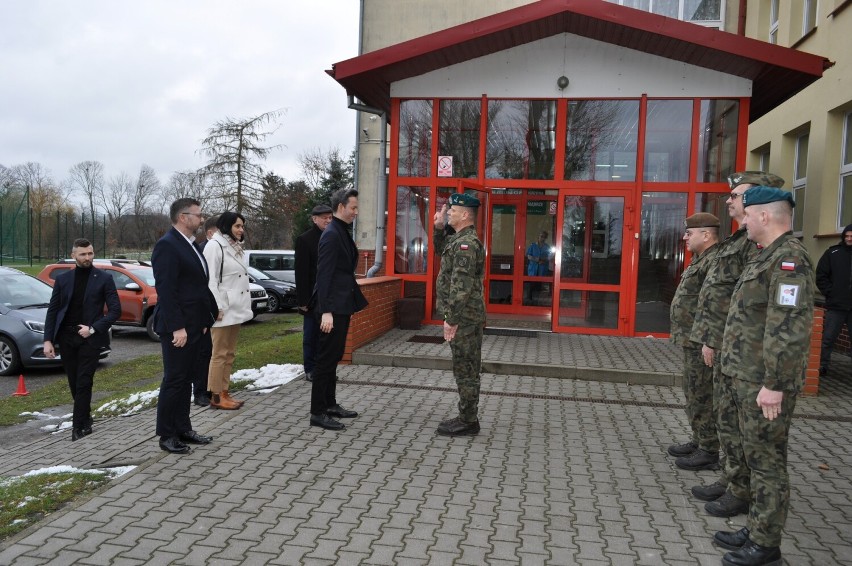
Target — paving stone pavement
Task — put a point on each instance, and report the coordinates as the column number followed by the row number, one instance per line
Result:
column 564, row 472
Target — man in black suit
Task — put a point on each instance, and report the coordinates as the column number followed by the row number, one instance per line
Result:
column 337, row 296
column 77, row 323
column 185, row 312
column 307, row 248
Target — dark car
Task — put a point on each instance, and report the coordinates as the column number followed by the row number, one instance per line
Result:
column 23, row 308
column 282, row 294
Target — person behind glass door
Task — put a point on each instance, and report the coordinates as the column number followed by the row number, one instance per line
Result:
column 538, row 262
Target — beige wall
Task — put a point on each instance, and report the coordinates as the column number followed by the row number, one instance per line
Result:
column 820, row 109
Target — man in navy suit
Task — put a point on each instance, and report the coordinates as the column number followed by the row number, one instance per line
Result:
column 337, row 296
column 186, row 309
column 77, row 323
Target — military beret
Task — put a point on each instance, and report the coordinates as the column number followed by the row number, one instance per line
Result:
column 754, row 178
column 321, row 209
column 701, row 220
column 464, row 199
column 764, row 195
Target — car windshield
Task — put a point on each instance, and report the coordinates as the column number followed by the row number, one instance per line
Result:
column 18, row 290
column 258, row 274
column 146, row 274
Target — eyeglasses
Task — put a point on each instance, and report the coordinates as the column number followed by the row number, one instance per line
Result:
column 197, row 214
column 735, row 196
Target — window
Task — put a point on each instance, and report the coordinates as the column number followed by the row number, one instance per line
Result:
column 702, row 12
column 412, row 221
column 667, row 141
column 415, row 138
column 459, row 136
column 800, row 181
column 846, row 175
column 773, row 21
column 764, row 160
column 602, row 140
column 717, row 140
column 809, row 16
column 521, row 139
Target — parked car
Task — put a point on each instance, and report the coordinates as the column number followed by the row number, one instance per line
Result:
column 280, row 264
column 23, row 308
column 134, row 283
column 282, row 294
column 259, row 300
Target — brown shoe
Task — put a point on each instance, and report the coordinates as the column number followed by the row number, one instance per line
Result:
column 232, row 400
column 221, row 402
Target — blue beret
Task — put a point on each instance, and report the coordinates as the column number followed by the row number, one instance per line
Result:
column 764, row 195
column 464, row 199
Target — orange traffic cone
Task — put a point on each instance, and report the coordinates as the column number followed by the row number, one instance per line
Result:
column 22, row 388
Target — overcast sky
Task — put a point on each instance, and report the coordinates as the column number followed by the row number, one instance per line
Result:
column 131, row 82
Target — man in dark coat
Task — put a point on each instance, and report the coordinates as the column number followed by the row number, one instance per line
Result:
column 77, row 323
column 834, row 280
column 186, row 310
column 307, row 248
column 337, row 296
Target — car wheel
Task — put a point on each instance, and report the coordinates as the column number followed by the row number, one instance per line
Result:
column 10, row 359
column 274, row 301
column 149, row 326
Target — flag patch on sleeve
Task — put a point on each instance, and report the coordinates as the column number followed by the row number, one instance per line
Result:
column 464, row 246
column 788, row 266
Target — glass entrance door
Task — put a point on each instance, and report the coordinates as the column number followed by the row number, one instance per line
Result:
column 592, row 263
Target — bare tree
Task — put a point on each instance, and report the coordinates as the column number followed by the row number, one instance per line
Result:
column 233, row 148
column 117, row 199
column 147, row 187
column 88, row 177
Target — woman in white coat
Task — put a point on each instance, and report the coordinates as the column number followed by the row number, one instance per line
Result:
column 229, row 282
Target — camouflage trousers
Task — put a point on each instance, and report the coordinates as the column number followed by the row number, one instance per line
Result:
column 726, row 417
column 757, row 466
column 698, row 391
column 467, row 363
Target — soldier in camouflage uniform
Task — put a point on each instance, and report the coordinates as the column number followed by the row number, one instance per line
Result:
column 764, row 355
column 701, row 237
column 461, row 303
column 713, row 302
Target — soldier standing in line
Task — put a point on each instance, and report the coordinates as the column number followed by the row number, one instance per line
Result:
column 713, row 303
column 701, row 237
column 764, row 355
column 461, row 302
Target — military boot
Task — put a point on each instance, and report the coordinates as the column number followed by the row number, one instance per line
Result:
column 710, row 492
column 699, row 460
column 727, row 506
column 458, row 427
column 752, row 554
column 730, row 540
column 683, row 449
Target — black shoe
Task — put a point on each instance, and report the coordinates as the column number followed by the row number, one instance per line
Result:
column 202, row 400
column 326, row 422
column 730, row 540
column 727, row 506
column 308, row 376
column 77, row 434
column 193, row 437
column 683, row 449
column 699, row 460
column 710, row 492
column 458, row 427
column 340, row 412
column 752, row 554
column 174, row 445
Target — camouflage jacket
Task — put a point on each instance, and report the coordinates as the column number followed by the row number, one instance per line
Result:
column 685, row 301
column 715, row 296
column 768, row 332
column 460, row 281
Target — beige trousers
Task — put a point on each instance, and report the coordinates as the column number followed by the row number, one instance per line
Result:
column 224, row 350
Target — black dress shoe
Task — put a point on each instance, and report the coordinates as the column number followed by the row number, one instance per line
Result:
column 340, row 412
column 174, row 445
column 682, row 449
column 752, row 554
column 731, row 541
column 202, row 400
column 727, row 506
column 76, row 434
column 458, row 427
column 87, row 430
column 325, row 421
column 710, row 492
column 193, row 437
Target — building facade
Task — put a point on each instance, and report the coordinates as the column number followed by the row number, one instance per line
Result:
column 589, row 130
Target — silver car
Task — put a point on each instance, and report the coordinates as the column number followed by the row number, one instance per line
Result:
column 23, row 308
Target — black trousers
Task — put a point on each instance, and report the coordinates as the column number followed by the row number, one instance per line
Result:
column 179, row 366
column 329, row 353
column 199, row 377
column 831, row 327
column 80, row 360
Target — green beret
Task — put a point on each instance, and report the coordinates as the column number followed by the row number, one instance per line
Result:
column 464, row 199
column 764, row 195
column 701, row 220
column 754, row 178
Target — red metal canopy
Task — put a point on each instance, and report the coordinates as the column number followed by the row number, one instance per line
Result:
column 777, row 73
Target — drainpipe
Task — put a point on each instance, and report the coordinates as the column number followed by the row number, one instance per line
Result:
column 741, row 19
column 382, row 184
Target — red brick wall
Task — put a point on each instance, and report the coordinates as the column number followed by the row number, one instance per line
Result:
column 812, row 371
column 379, row 317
